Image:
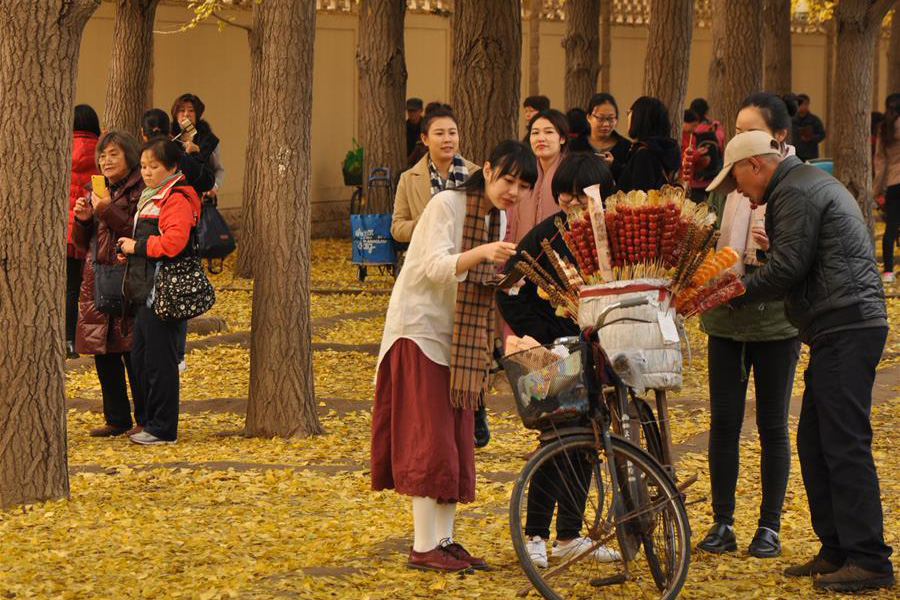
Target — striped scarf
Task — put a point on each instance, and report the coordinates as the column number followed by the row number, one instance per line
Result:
column 473, row 323
column 457, row 174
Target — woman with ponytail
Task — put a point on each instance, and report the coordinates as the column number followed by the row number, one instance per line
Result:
column 757, row 338
column 436, row 353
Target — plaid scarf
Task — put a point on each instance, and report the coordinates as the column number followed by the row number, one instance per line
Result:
column 457, row 174
column 473, row 323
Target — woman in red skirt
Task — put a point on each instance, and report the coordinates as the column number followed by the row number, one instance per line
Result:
column 436, row 353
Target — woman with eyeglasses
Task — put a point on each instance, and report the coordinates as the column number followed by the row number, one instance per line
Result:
column 605, row 141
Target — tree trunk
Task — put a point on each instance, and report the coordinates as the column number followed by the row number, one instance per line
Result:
column 829, row 84
column 736, row 67
column 282, row 400
column 243, row 266
column 669, row 56
column 38, row 79
column 130, row 64
column 605, row 44
column 876, row 64
column 382, row 84
column 777, row 46
column 582, row 44
column 487, row 65
column 893, row 56
column 857, row 26
column 534, row 47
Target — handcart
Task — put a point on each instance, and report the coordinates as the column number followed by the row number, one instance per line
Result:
column 370, row 224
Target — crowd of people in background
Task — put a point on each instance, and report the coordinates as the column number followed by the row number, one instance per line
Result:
column 146, row 216
column 457, row 218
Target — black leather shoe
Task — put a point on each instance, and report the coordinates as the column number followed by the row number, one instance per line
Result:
column 482, row 431
column 719, row 539
column 765, row 544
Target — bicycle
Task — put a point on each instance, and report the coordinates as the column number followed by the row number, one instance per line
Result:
column 602, row 482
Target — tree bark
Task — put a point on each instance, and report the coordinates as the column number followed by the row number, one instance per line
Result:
column 282, row 400
column 893, row 56
column 876, row 63
column 382, row 84
column 669, row 55
column 534, row 47
column 777, row 46
column 582, row 44
column 130, row 64
column 736, row 67
column 487, row 65
column 829, row 84
column 857, row 26
column 39, row 46
column 605, row 44
column 243, row 266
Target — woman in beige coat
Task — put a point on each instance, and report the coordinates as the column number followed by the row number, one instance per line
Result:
column 441, row 169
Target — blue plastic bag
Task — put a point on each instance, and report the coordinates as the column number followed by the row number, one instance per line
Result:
column 372, row 241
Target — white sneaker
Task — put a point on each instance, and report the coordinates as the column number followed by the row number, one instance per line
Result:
column 182, row 367
column 537, row 550
column 572, row 547
column 147, row 439
column 888, row 277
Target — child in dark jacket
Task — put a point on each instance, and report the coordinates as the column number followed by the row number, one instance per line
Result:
column 167, row 212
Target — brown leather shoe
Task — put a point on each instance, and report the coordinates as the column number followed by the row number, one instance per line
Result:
column 816, row 566
column 462, row 554
column 107, row 431
column 852, row 578
column 134, row 430
column 439, row 559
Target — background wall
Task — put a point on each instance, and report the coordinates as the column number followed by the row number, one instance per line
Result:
column 215, row 65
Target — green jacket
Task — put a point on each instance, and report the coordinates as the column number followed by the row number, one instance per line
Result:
column 757, row 322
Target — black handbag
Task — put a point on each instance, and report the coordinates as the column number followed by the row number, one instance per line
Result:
column 180, row 289
column 214, row 238
column 109, row 295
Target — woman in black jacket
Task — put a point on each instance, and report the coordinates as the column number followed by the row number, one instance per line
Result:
column 526, row 313
column 654, row 157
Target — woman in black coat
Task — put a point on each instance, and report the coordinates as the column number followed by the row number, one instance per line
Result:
column 654, row 157
column 526, row 313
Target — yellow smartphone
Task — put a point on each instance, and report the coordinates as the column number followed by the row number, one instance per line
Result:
column 98, row 184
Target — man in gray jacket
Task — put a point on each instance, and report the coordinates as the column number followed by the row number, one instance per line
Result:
column 822, row 262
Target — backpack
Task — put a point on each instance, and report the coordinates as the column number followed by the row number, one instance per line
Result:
column 214, row 238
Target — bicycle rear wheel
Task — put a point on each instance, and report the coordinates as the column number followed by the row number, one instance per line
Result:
column 575, row 474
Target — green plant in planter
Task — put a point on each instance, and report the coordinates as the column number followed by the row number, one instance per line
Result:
column 353, row 165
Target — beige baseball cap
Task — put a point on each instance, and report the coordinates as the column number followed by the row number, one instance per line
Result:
column 743, row 145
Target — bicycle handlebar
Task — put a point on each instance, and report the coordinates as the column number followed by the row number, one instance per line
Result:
column 627, row 303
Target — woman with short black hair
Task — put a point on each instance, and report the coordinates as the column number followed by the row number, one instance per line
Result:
column 527, row 314
column 203, row 141
column 607, row 143
column 654, row 157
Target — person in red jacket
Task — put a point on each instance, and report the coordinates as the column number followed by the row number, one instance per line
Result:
column 86, row 133
column 167, row 212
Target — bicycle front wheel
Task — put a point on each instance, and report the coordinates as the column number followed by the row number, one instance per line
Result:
column 577, row 490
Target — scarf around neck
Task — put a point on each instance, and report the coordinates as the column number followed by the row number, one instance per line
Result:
column 473, row 323
column 149, row 192
column 456, row 175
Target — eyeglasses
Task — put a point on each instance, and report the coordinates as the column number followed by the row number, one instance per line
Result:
column 605, row 118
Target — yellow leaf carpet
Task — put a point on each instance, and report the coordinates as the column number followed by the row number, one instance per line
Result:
column 223, row 516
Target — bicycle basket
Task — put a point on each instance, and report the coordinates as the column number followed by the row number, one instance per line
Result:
column 550, row 383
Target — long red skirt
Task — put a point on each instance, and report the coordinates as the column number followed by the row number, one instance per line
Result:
column 421, row 445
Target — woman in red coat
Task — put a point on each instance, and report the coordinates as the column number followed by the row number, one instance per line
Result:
column 87, row 130
column 98, row 223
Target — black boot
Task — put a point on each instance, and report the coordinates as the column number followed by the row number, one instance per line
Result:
column 482, row 431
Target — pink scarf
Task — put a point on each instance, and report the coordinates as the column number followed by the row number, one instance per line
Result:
column 530, row 211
